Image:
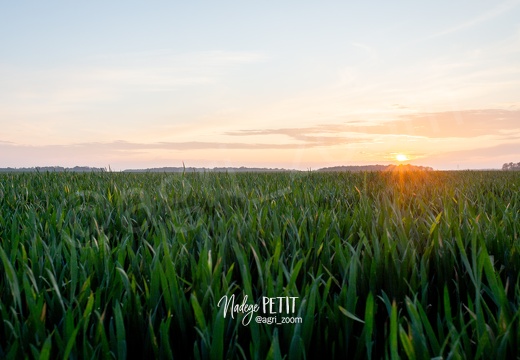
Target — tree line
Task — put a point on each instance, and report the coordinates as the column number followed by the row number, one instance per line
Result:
column 511, row 166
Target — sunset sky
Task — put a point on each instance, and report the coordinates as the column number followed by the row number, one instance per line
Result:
column 293, row 84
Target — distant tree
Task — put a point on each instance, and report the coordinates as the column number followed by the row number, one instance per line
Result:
column 511, row 166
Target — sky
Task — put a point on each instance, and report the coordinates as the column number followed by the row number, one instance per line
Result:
column 292, row 84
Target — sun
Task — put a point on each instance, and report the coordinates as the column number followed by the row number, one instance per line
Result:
column 401, row 157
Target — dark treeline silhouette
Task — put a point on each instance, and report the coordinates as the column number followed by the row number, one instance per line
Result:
column 195, row 169
column 511, row 166
column 53, row 169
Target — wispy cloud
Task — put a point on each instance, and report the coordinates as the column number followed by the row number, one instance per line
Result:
column 108, row 77
column 310, row 136
column 486, row 16
column 508, row 150
column 457, row 124
column 476, row 157
column 186, row 145
column 447, row 124
column 427, row 135
column 125, row 146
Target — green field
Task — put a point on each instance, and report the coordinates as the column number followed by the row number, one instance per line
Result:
column 381, row 264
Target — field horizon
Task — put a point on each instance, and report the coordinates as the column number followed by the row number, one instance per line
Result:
column 180, row 169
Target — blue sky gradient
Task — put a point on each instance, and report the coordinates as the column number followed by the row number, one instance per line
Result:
column 291, row 84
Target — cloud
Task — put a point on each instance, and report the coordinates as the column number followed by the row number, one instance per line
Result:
column 510, row 150
column 456, row 124
column 121, row 147
column 187, row 145
column 173, row 58
column 108, row 78
column 447, row 124
column 101, row 153
column 490, row 157
column 427, row 135
column 488, row 15
column 311, row 136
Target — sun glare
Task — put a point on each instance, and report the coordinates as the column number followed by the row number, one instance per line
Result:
column 401, row 157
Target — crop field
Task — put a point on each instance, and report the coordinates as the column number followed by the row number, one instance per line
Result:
column 390, row 265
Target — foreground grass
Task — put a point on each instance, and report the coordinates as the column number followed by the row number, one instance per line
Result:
column 384, row 265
